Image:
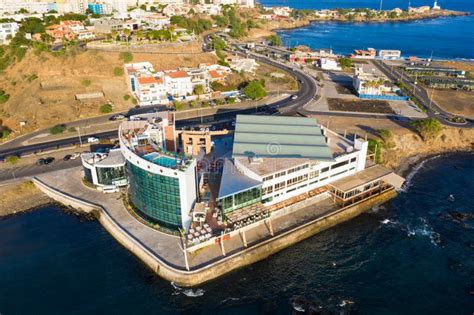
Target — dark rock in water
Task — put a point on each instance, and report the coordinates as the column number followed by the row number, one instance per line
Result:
column 471, row 292
column 457, row 216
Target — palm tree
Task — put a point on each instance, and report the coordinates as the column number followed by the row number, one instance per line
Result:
column 126, row 32
column 113, row 33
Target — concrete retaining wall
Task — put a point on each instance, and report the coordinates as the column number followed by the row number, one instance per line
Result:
column 226, row 264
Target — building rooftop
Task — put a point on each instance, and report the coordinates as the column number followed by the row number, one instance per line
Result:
column 367, row 176
column 269, row 166
column 280, row 137
column 233, row 181
column 113, row 158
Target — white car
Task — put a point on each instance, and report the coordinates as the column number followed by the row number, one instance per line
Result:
column 92, row 140
column 75, row 156
column 294, row 97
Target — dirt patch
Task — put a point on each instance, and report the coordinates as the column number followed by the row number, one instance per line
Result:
column 455, row 102
column 42, row 88
column 344, row 89
column 364, row 106
column 21, row 197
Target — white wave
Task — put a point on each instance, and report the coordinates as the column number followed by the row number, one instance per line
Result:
column 425, row 230
column 298, row 308
column 345, row 302
column 187, row 292
column 416, row 169
column 386, row 221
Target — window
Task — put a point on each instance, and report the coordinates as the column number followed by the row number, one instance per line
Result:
column 324, row 170
column 339, row 164
column 279, row 186
column 267, row 190
column 268, row 178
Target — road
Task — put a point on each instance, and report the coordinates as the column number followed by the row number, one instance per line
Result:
column 419, row 92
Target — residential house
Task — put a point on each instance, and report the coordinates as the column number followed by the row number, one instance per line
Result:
column 7, row 32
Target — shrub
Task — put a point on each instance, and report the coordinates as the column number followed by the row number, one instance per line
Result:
column 105, row 109
column 126, row 97
column 3, row 96
column 86, row 82
column 178, row 105
column 126, row 56
column 32, row 77
column 57, row 129
column 427, row 128
column 345, row 62
column 118, row 71
column 134, row 101
column 71, row 129
column 255, row 90
column 12, row 159
column 4, row 133
column 385, row 134
column 376, row 147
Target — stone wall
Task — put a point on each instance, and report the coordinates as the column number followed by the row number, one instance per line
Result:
column 226, row 264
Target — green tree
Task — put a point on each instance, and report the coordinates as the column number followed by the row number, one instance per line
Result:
column 127, row 33
column 274, row 40
column 427, row 128
column 199, row 89
column 3, row 96
column 254, row 90
column 345, row 63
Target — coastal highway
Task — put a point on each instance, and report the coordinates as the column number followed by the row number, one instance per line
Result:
column 287, row 106
column 419, row 92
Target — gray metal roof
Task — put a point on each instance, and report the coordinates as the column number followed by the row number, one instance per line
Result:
column 280, row 137
column 233, row 181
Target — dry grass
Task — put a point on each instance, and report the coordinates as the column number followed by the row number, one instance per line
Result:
column 20, row 197
column 456, row 102
column 43, row 107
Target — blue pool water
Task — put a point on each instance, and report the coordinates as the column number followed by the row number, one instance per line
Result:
column 410, row 256
column 451, row 37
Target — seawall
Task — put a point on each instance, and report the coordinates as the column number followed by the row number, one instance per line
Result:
column 226, row 264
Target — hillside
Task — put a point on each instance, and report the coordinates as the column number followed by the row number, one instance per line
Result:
column 42, row 88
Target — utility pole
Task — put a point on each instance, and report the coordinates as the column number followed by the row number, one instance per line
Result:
column 79, row 132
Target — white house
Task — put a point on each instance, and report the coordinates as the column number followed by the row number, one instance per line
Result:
column 156, row 21
column 7, row 31
column 329, row 64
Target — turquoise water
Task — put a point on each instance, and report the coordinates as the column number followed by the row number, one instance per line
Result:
column 451, row 37
column 411, row 256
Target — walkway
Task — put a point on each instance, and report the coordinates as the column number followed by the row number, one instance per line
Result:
column 168, row 247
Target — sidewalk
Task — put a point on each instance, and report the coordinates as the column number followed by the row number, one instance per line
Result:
column 166, row 246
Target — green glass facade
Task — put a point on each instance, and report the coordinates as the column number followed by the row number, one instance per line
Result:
column 110, row 175
column 241, row 199
column 155, row 197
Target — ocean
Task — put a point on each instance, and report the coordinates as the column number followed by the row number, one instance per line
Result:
column 413, row 255
column 442, row 38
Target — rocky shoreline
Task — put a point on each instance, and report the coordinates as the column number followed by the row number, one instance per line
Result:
column 287, row 25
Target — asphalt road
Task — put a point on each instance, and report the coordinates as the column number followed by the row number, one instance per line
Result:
column 433, row 110
column 33, row 169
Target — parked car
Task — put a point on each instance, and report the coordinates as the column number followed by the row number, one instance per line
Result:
column 117, row 117
column 75, row 155
column 67, row 157
column 49, row 160
column 40, row 162
column 92, row 140
column 294, row 97
column 110, row 189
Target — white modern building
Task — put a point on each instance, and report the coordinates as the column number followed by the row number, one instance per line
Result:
column 162, row 184
column 14, row 6
column 150, row 87
column 277, row 158
column 7, row 32
column 104, row 170
column 389, row 54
